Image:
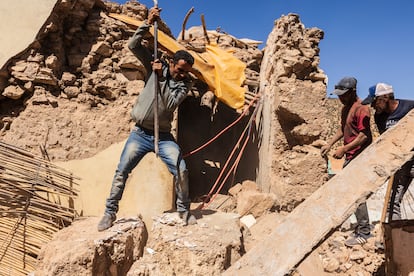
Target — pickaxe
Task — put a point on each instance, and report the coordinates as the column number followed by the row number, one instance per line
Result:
column 156, row 123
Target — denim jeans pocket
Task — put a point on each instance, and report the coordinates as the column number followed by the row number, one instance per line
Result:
column 137, row 130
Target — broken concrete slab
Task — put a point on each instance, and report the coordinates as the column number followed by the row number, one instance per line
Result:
column 313, row 220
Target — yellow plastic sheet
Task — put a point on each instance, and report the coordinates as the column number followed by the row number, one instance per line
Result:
column 223, row 72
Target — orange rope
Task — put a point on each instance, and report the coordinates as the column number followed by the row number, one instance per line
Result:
column 224, row 130
column 232, row 169
column 224, row 167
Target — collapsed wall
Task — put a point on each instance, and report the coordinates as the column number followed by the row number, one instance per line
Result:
column 72, row 91
column 295, row 114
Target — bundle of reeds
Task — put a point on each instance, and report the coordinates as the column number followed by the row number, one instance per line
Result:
column 36, row 200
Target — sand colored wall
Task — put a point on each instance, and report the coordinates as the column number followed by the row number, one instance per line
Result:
column 149, row 189
column 20, row 22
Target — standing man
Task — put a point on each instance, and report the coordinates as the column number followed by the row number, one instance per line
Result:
column 174, row 83
column 356, row 133
column 388, row 111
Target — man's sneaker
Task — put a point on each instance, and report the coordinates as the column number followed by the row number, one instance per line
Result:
column 106, row 222
column 357, row 239
column 187, row 218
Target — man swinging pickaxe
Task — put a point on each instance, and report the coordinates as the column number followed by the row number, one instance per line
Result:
column 165, row 89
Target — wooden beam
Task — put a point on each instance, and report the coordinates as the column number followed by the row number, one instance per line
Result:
column 328, row 207
column 190, row 11
column 205, row 29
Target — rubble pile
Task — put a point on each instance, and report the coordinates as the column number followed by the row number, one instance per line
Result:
column 81, row 250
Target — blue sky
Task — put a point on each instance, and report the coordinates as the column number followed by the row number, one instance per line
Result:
column 372, row 40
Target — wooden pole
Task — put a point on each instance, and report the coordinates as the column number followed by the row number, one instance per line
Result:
column 156, row 84
column 386, row 200
column 205, row 29
column 185, row 22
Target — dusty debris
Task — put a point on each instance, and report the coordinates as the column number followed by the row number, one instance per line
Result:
column 72, row 92
column 81, row 250
column 207, row 248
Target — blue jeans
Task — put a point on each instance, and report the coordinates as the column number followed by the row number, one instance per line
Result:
column 139, row 143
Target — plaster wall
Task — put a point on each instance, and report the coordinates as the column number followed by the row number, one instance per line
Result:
column 19, row 29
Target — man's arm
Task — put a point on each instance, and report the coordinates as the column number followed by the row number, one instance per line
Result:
column 338, row 135
column 135, row 42
column 178, row 92
column 136, row 47
column 358, row 141
column 363, row 117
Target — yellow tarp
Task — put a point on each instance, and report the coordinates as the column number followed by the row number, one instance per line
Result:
column 223, row 72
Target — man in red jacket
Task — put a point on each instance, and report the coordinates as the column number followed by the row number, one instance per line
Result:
column 356, row 133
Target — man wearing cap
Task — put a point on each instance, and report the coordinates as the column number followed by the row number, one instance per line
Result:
column 356, row 133
column 388, row 111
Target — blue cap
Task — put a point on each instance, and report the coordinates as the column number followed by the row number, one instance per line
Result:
column 377, row 90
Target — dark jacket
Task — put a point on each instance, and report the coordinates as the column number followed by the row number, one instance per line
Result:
column 170, row 95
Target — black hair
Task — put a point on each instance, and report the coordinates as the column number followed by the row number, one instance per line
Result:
column 184, row 55
column 389, row 96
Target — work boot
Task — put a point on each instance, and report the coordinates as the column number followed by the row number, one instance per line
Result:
column 187, row 218
column 106, row 222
